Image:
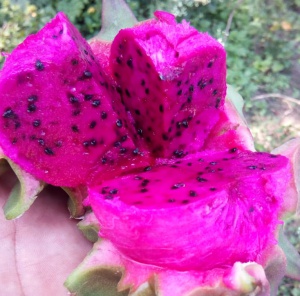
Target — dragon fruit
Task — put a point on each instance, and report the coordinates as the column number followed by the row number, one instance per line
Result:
column 172, row 79
column 56, row 109
column 201, row 218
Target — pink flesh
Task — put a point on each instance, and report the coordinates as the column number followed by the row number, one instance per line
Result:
column 172, row 80
column 72, row 137
column 222, row 224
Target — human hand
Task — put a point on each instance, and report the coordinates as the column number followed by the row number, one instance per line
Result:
column 40, row 249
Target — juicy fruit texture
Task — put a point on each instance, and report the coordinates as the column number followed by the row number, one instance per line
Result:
column 171, row 78
column 224, row 206
column 57, row 121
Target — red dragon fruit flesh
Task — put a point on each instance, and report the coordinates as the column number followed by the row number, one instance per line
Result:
column 210, row 210
column 57, row 121
column 173, row 81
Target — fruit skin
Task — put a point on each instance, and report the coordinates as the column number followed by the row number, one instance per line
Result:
column 216, row 200
column 57, row 121
column 172, row 80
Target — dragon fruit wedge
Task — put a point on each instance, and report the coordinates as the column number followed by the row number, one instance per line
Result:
column 57, row 121
column 172, row 79
column 209, row 221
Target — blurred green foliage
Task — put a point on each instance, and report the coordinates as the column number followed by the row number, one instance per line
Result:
column 261, row 39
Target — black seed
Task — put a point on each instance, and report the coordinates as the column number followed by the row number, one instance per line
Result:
column 103, row 115
column 85, row 51
column 176, row 54
column 140, row 131
column 39, row 65
column 200, row 159
column 104, row 190
column 147, row 91
column 178, row 124
column 191, row 88
column 137, row 112
column 61, row 31
column 73, row 100
column 54, row 36
column 104, row 160
column 149, row 128
column 129, row 63
column 213, row 162
column 193, row 193
column 117, row 75
column 179, row 83
column 75, row 128
column 148, row 65
column 138, row 178
column 142, row 82
column 41, row 142
column 31, row 108
column 171, row 200
column 145, row 183
column 93, row 124
column 96, row 103
column 178, row 133
column 165, row 137
column 179, row 92
column 88, row 97
column 119, row 90
column 189, row 164
column 210, row 64
column 174, row 166
column 123, row 150
column 117, row 144
column 93, row 142
column 87, row 74
column 185, row 201
column 49, row 151
column 218, row 103
column 211, row 80
column 185, row 123
column 273, row 156
column 124, row 138
column 32, row 98
column 127, row 93
column 143, row 190
column 201, row 83
column 178, row 185
column 36, row 123
column 212, row 189
column 252, row 167
column 225, row 158
column 74, row 62
column 135, row 151
column 232, row 150
column 215, row 92
column 113, row 191
column 201, row 180
column 189, row 99
column 86, row 144
column 119, row 123
column 9, row 113
column 178, row 153
column 17, row 124
column 148, row 168
column 119, row 61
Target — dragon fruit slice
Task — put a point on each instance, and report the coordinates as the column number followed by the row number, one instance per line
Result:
column 197, row 195
column 171, row 78
column 57, row 121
